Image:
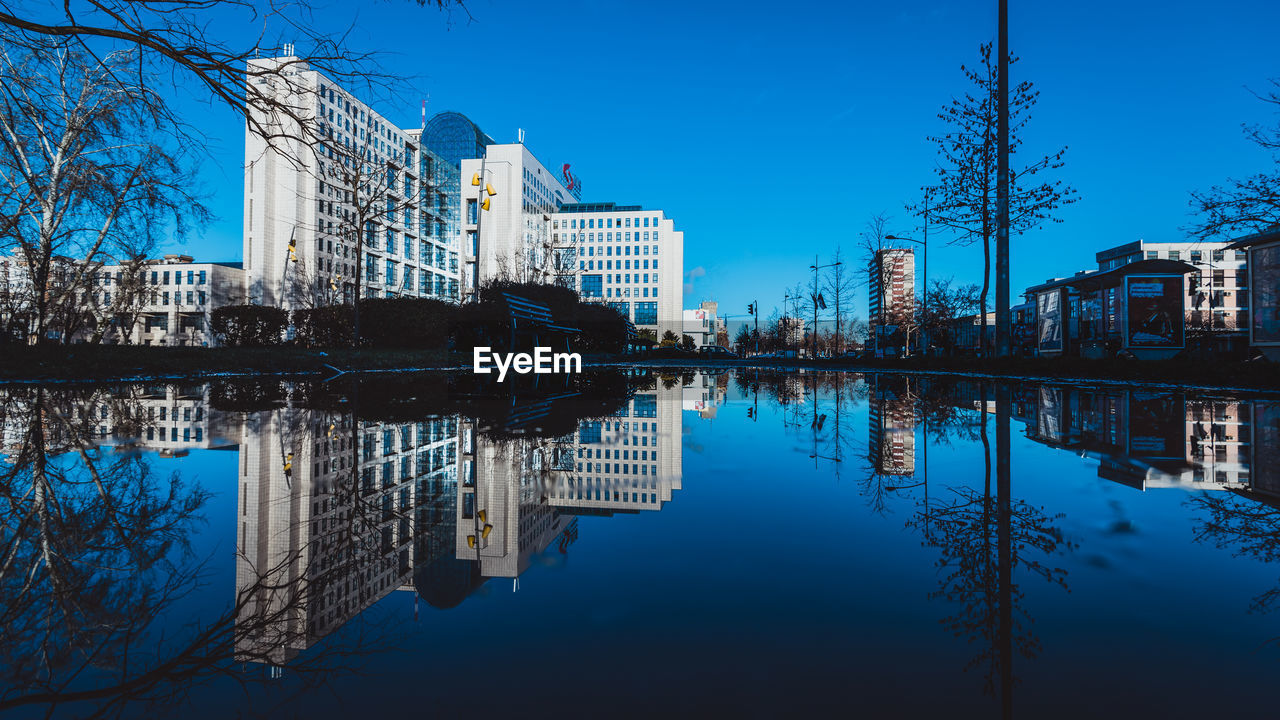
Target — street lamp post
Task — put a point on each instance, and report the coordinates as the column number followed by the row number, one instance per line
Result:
column 815, row 267
column 786, row 327
column 480, row 182
column 925, row 271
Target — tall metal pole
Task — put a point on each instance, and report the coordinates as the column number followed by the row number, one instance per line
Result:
column 1002, row 191
column 757, row 314
column 475, row 280
column 813, row 333
column 924, row 330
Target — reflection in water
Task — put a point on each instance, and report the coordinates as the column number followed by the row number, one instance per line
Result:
column 337, row 507
column 348, row 492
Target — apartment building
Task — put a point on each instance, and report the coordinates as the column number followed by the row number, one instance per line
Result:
column 1217, row 293
column 626, row 257
column 891, row 294
column 162, row 302
column 342, row 200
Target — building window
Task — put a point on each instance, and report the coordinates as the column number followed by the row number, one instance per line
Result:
column 592, row 285
column 646, row 313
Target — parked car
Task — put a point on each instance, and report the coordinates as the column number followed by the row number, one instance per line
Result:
column 716, row 352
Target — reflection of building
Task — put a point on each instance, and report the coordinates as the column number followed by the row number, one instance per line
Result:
column 1144, row 439
column 625, row 463
column 706, row 393
column 503, row 516
column 333, row 517
column 168, row 419
column 892, row 438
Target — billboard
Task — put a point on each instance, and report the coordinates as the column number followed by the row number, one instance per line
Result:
column 1154, row 311
column 1264, row 289
column 1049, row 320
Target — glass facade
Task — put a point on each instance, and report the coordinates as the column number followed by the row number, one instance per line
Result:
column 453, row 137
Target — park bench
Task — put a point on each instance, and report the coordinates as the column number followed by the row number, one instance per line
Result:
column 535, row 321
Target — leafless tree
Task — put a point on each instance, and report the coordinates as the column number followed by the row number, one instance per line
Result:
column 1251, row 204
column 965, row 201
column 946, row 303
column 841, row 283
column 90, row 169
column 173, row 46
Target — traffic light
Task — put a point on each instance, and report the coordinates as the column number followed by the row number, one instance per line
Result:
column 751, row 309
column 751, row 412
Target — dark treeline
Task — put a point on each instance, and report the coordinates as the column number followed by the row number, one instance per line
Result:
column 422, row 323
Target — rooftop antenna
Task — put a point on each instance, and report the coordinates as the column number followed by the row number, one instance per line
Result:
column 288, row 49
column 520, row 134
column 424, row 110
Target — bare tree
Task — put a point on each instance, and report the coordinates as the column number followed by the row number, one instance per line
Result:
column 841, row 283
column 90, row 170
column 173, row 46
column 965, row 202
column 946, row 303
column 1247, row 205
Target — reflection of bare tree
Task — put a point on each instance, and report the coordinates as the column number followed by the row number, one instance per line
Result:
column 93, row 549
column 94, row 564
column 1246, row 528
column 983, row 540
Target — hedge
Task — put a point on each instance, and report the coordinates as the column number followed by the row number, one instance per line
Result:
column 249, row 325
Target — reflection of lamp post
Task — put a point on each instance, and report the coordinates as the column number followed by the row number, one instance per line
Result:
column 925, row 270
column 815, row 267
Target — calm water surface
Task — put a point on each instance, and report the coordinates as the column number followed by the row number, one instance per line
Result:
column 748, row 542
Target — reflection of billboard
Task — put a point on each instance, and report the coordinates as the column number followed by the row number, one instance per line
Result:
column 1264, row 287
column 1264, row 474
column 1049, row 320
column 1049, row 417
column 1155, row 311
column 1157, row 426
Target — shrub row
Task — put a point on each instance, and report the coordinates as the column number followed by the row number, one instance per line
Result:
column 421, row 323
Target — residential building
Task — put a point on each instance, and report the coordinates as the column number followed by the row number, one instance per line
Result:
column 513, row 240
column 168, row 302
column 891, row 295
column 341, row 189
column 627, row 257
column 1217, row 305
column 165, row 301
column 703, row 324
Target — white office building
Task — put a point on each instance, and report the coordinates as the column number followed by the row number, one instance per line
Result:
column 512, row 240
column 627, row 257
column 170, row 303
column 338, row 182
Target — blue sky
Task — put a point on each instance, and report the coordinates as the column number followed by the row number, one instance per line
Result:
column 772, row 131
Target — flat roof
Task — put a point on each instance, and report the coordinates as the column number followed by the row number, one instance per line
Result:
column 598, row 207
column 1091, row 279
column 1266, row 236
